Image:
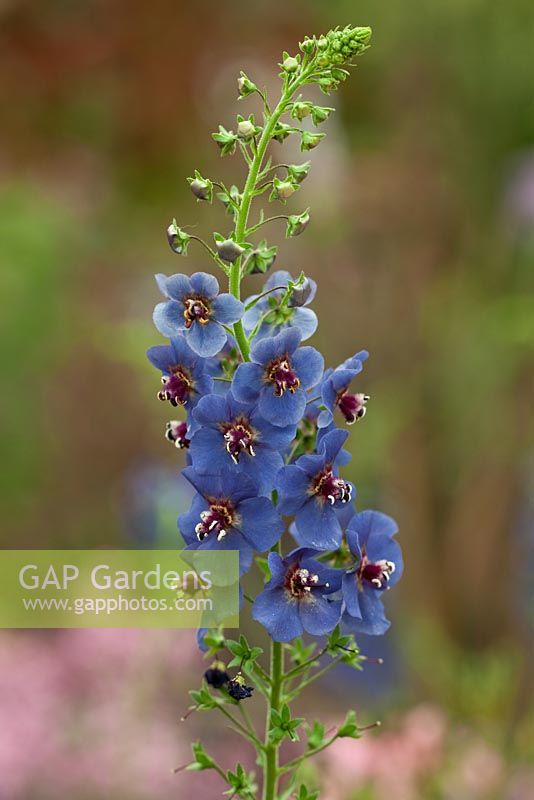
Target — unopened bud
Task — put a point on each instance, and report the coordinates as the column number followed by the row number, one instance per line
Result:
column 290, row 64
column 297, row 223
column 229, row 250
column 245, row 86
column 246, row 129
column 301, row 294
column 177, row 238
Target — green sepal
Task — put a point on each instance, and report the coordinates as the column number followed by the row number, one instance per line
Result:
column 316, row 735
column 282, row 189
column 226, row 140
column 299, row 652
column 309, row 140
column 202, row 759
column 282, row 131
column 297, row 223
column 297, row 172
column 282, row 726
column 201, row 187
column 244, row 655
column 349, row 729
column 178, row 239
column 241, row 783
column 260, row 259
column 203, row 700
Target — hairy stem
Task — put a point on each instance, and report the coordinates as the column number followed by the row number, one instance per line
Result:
column 270, row 773
column 246, row 200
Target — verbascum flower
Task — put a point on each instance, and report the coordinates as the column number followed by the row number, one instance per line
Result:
column 297, row 598
column 196, row 309
column 378, row 567
column 277, row 377
column 227, row 514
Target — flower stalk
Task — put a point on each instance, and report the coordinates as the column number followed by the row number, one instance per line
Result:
column 262, row 442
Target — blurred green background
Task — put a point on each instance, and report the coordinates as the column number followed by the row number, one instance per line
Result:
column 422, row 242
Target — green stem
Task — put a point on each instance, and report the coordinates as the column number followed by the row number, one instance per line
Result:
column 270, row 773
column 246, row 200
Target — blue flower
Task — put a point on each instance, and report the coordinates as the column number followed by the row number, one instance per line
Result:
column 312, row 492
column 379, row 566
column 196, row 308
column 296, row 598
column 235, row 439
column 227, row 514
column 335, row 394
column 274, row 316
column 184, row 375
column 277, row 377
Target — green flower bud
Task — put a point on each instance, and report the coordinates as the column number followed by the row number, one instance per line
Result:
column 297, row 172
column 300, row 294
column 308, row 45
column 177, row 238
column 260, row 259
column 282, row 190
column 245, row 85
column 290, row 64
column 226, row 141
column 281, row 131
column 301, row 109
column 310, row 140
column 228, row 250
column 297, row 223
column 320, row 114
column 201, row 187
column 246, row 129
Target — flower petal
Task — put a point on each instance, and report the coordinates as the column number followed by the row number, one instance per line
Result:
column 319, row 615
column 178, row 286
column 246, row 383
column 285, row 410
column 308, row 363
column 278, row 614
column 205, row 285
column 168, row 318
column 206, row 340
column 260, row 523
column 227, row 309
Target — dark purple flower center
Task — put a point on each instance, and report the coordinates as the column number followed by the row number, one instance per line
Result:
column 196, row 309
column 330, row 488
column 299, row 582
column 176, row 431
column 216, row 520
column 377, row 573
column 352, row 406
column 177, row 386
column 282, row 376
column 239, row 437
